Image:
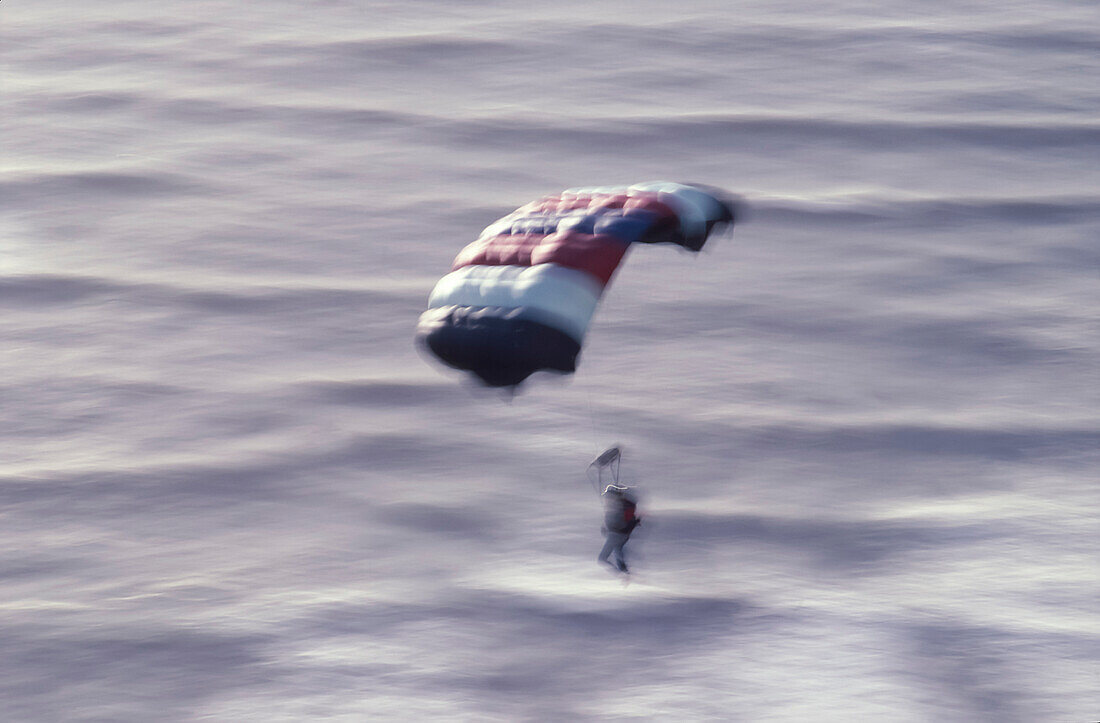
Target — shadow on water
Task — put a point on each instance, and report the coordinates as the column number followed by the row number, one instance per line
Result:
column 57, row 673
column 849, row 545
column 984, row 669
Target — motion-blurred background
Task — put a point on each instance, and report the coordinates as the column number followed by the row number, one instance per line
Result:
column 864, row 424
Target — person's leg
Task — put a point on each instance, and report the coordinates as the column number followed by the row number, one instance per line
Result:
column 620, row 558
column 613, row 543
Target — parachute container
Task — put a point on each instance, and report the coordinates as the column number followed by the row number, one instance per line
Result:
column 519, row 299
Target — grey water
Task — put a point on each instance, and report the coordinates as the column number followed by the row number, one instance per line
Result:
column 864, row 424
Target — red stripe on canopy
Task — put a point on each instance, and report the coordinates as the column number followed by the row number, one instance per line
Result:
column 597, row 255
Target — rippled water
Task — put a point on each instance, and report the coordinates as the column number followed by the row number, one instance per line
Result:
column 865, row 423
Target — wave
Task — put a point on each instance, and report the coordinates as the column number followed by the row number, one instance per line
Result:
column 869, row 207
column 702, row 41
column 409, row 51
column 833, row 434
column 240, row 477
column 382, row 394
column 32, row 290
column 573, row 131
column 85, row 186
column 733, row 131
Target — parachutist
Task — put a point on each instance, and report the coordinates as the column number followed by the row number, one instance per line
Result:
column 619, row 520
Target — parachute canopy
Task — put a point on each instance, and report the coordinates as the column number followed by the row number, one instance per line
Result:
column 520, row 297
